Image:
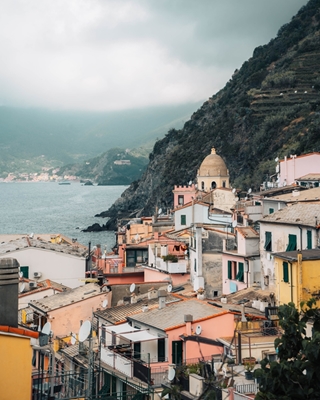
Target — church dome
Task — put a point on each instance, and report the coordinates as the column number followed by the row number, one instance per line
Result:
column 213, row 165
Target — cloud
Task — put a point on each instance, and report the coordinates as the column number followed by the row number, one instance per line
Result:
column 120, row 54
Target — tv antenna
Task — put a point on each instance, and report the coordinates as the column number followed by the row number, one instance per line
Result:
column 198, row 329
column 132, row 287
column 46, row 328
column 171, row 374
column 84, row 331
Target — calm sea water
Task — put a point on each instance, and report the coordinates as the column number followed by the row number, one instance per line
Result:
column 33, row 207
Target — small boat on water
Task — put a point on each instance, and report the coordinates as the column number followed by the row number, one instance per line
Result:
column 64, row 183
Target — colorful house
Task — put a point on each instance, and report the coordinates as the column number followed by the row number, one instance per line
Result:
column 297, row 276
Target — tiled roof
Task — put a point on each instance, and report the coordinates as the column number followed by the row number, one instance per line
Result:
column 173, row 314
column 299, row 195
column 296, row 214
column 248, row 232
column 24, row 242
column 120, row 313
column 312, row 254
column 309, row 177
column 66, row 298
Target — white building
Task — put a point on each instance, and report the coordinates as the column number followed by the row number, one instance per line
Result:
column 40, row 259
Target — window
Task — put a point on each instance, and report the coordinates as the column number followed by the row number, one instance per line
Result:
column 215, row 293
column 240, row 273
column 25, row 271
column 224, row 184
column 181, row 199
column 161, row 350
column 213, row 185
column 268, row 241
column 285, row 271
column 271, row 210
column 195, row 265
column 183, row 220
column 229, row 269
column 202, row 185
column 309, row 239
column 292, row 245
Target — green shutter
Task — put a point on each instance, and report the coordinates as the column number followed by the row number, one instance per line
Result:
column 285, row 272
column 229, row 270
column 183, row 220
column 292, row 245
column 239, row 276
column 268, row 242
column 25, row 271
column 309, row 240
column 271, row 210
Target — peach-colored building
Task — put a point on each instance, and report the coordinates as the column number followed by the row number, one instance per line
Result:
column 183, row 194
column 65, row 310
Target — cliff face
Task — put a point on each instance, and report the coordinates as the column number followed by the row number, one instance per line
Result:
column 270, row 108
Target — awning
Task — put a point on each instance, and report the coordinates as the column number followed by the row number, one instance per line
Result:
column 122, row 328
column 140, row 336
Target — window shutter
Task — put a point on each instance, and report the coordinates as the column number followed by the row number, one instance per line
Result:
column 229, row 270
column 183, row 220
column 292, row 245
column 268, row 242
column 309, row 240
column 285, row 272
column 240, row 272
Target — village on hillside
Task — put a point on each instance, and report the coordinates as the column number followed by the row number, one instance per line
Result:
column 188, row 299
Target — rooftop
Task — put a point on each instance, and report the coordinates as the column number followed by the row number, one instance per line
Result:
column 173, row 314
column 298, row 195
column 67, row 297
column 312, row 254
column 18, row 243
column 296, row 214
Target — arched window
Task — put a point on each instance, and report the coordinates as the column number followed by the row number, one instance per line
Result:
column 202, row 185
column 224, row 184
column 213, row 185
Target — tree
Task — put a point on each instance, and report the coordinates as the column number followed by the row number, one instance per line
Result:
column 296, row 375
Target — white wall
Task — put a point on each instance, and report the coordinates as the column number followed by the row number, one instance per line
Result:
column 62, row 268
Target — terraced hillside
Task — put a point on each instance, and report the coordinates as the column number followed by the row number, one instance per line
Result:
column 270, row 108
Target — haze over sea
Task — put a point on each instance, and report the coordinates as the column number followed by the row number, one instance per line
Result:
column 47, row 207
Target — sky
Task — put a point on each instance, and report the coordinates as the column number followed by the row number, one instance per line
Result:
column 106, row 55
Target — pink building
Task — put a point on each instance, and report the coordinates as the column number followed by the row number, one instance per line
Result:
column 183, row 195
column 294, row 167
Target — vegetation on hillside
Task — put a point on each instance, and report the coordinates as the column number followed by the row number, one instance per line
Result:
column 270, row 108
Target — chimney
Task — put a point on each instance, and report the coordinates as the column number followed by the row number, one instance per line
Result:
column 162, row 298
column 188, row 318
column 9, row 285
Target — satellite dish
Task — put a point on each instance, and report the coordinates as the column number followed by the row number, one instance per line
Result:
column 249, row 191
column 160, row 211
column 21, row 274
column 234, row 223
column 73, row 340
column 169, row 288
column 171, row 374
column 276, row 159
column 234, row 190
column 198, row 329
column 105, row 303
column 190, row 183
column 84, row 331
column 31, row 235
column 22, row 287
column 132, row 287
column 46, row 328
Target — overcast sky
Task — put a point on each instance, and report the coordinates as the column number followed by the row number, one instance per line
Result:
column 120, row 54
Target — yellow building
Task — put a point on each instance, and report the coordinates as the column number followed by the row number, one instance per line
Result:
column 16, row 363
column 297, row 276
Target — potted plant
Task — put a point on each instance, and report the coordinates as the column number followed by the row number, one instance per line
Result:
column 200, row 293
column 170, row 257
column 249, row 364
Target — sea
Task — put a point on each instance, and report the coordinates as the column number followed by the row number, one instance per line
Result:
column 47, row 207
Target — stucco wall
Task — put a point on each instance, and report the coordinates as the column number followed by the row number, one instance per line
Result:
column 212, row 273
column 59, row 267
column 15, row 367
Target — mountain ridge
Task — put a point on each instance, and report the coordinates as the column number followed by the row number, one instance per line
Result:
column 269, row 108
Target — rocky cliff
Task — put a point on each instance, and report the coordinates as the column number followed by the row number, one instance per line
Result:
column 270, row 108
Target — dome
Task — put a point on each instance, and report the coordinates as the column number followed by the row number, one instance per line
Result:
column 213, row 165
